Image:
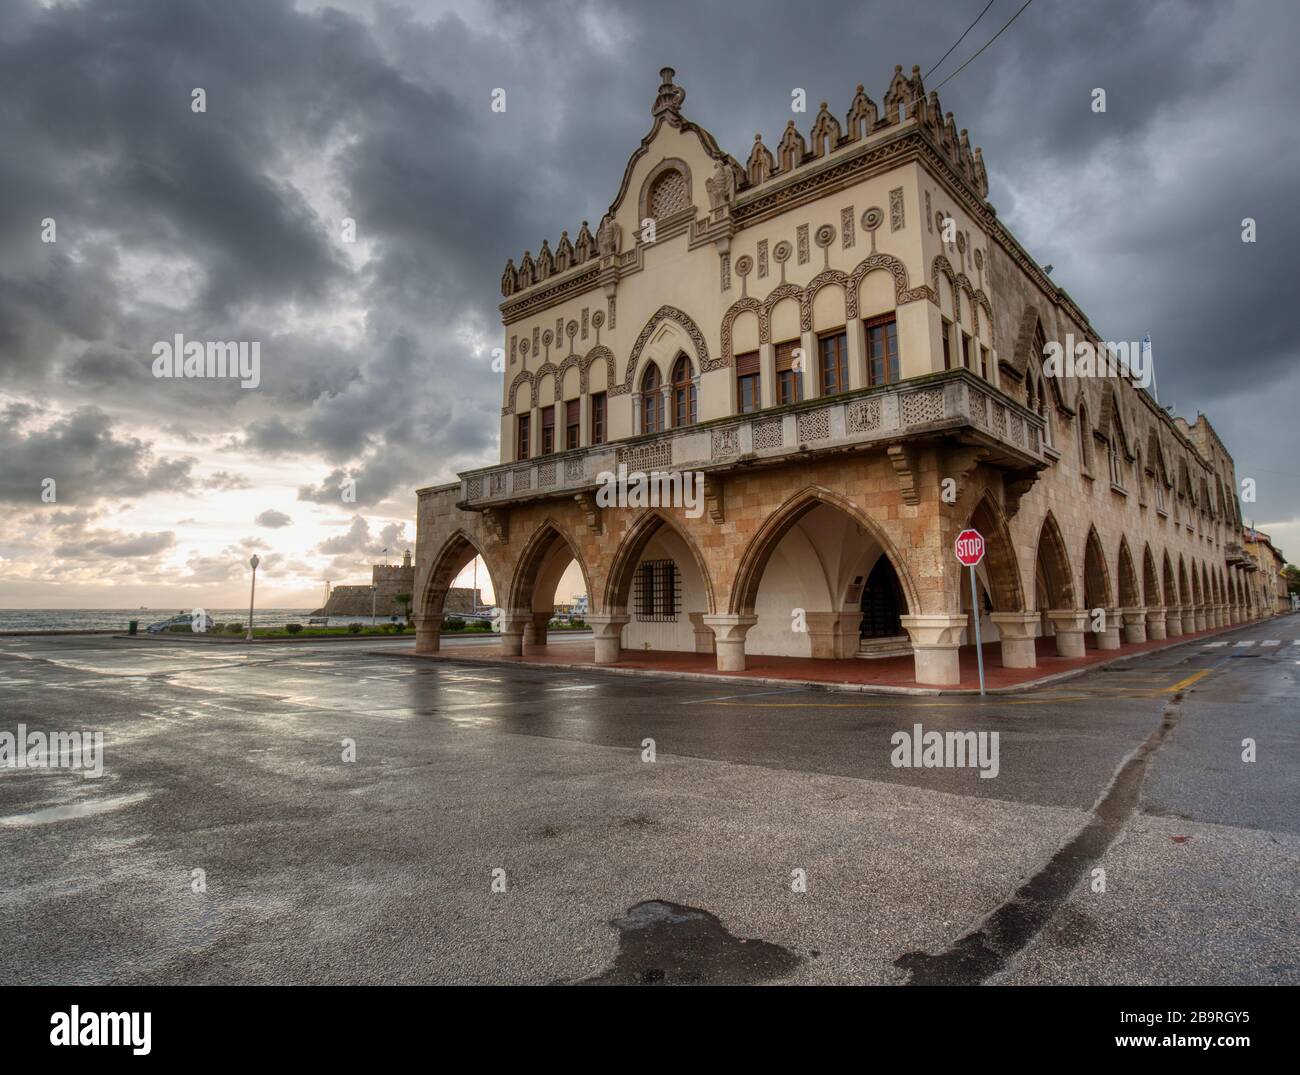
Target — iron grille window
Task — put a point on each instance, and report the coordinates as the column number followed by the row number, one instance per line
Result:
column 658, row 591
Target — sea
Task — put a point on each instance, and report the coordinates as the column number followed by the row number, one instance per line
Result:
column 117, row 619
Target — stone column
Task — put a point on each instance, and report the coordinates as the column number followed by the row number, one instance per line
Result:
column 936, row 638
column 766, row 375
column 821, row 633
column 428, row 634
column 607, row 630
column 1017, row 631
column 1108, row 636
column 729, row 631
column 536, row 629
column 1135, row 625
column 1069, row 624
column 856, row 353
column 1174, row 621
column 513, row 624
column 1189, row 619
column 703, row 633
column 811, row 374
column 1156, row 624
column 1199, row 618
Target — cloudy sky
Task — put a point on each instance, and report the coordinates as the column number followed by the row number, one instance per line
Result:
column 227, row 224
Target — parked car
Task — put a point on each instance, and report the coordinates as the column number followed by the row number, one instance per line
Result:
column 181, row 619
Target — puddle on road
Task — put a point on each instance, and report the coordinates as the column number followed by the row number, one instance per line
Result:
column 662, row 943
column 68, row 813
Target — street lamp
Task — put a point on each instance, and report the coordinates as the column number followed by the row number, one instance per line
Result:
column 251, row 591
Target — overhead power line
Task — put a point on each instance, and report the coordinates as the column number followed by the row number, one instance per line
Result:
column 960, row 39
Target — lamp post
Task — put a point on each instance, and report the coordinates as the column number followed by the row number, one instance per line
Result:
column 372, row 605
column 252, row 590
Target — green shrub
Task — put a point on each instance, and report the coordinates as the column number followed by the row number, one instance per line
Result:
column 480, row 625
column 579, row 622
column 453, row 623
column 399, row 627
column 354, row 628
column 293, row 628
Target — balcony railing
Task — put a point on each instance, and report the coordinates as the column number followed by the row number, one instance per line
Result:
column 954, row 403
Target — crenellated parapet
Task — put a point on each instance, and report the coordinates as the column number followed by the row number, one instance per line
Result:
column 905, row 102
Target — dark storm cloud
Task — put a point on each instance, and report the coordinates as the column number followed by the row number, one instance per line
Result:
column 226, row 225
column 86, row 459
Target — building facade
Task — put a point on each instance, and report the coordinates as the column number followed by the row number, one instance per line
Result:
column 1273, row 595
column 842, row 347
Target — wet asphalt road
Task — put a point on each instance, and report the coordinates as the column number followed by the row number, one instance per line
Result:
column 228, row 760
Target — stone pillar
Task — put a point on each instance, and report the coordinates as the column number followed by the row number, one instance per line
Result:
column 766, row 375
column 821, row 633
column 811, row 365
column 513, row 624
column 1017, row 631
column 1069, row 624
column 1108, row 636
column 856, row 353
column 936, row 638
column 1189, row 619
column 607, row 630
column 703, row 633
column 428, row 634
column 1174, row 621
column 1156, row 624
column 1199, row 618
column 1135, row 625
column 535, row 632
column 729, row 631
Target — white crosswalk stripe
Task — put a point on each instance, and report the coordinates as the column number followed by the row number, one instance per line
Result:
column 1243, row 645
column 1272, row 642
column 1215, row 645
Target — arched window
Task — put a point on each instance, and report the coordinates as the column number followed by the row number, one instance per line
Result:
column 684, row 409
column 652, row 401
column 670, row 194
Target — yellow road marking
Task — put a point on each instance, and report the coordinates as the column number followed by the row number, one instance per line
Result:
column 1183, row 684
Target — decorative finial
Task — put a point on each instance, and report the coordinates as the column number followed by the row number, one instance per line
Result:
column 670, row 97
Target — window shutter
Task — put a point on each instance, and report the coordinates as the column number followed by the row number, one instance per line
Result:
column 784, row 356
column 747, row 364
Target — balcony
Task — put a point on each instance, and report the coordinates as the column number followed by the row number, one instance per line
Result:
column 955, row 405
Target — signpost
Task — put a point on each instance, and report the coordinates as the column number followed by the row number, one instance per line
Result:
column 969, row 548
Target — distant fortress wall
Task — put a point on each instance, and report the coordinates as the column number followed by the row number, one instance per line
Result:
column 389, row 581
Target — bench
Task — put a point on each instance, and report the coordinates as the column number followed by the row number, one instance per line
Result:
column 318, row 621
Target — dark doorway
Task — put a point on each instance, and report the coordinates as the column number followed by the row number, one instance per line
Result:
column 882, row 602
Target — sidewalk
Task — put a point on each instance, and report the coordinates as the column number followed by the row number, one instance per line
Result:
column 888, row 675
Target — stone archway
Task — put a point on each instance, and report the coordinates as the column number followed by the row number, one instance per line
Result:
column 456, row 553
column 530, row 602
column 655, row 538
column 1153, row 598
column 1098, row 597
column 808, row 564
column 1132, row 607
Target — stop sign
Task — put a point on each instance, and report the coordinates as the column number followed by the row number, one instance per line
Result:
column 970, row 547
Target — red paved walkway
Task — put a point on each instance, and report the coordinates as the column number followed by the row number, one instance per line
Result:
column 881, row 672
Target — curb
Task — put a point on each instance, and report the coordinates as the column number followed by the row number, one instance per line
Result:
column 822, row 685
